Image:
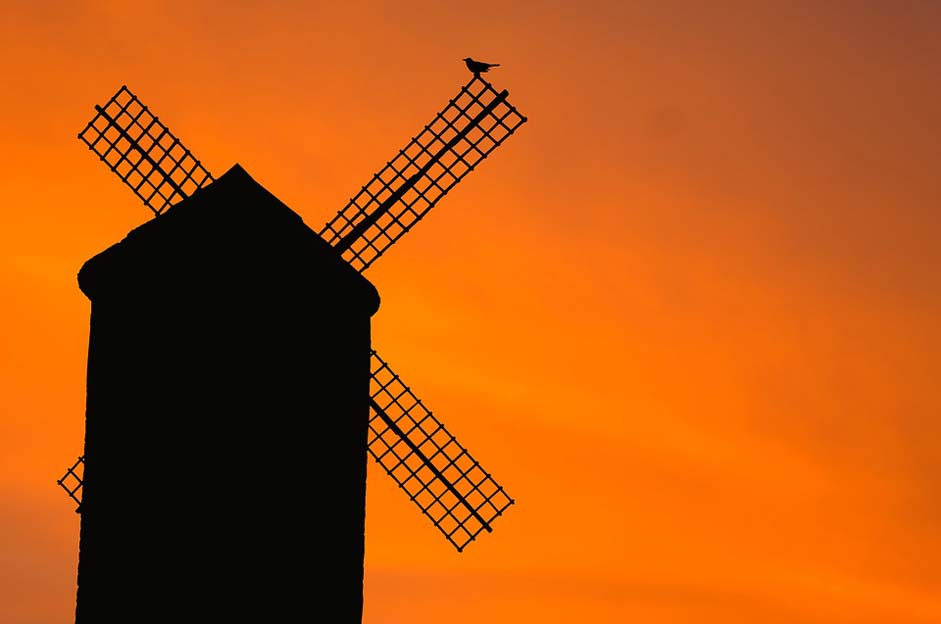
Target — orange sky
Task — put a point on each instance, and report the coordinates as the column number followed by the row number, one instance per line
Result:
column 688, row 316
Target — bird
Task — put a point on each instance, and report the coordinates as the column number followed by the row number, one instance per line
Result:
column 479, row 67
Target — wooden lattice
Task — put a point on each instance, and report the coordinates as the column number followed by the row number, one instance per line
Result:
column 143, row 152
column 466, row 131
column 438, row 474
column 72, row 482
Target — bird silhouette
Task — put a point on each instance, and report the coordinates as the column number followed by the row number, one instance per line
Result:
column 479, row 67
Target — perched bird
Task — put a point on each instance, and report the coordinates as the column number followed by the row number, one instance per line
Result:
column 479, row 67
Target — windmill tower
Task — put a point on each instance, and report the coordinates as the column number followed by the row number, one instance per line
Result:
column 233, row 393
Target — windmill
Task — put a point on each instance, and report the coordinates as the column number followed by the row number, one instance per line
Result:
column 425, row 460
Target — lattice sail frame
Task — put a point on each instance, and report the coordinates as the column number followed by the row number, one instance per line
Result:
column 72, row 481
column 465, row 132
column 427, row 462
column 143, row 152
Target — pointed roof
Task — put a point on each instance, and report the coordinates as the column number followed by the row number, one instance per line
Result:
column 232, row 232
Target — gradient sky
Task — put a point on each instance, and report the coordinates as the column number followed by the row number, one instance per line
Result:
column 688, row 316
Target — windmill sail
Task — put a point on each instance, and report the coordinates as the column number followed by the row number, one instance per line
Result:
column 72, row 481
column 143, row 152
column 438, row 474
column 470, row 127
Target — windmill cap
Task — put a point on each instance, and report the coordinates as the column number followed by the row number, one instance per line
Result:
column 232, row 232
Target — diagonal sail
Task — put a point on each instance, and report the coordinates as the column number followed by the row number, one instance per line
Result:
column 427, row 462
column 72, row 481
column 473, row 124
column 143, row 152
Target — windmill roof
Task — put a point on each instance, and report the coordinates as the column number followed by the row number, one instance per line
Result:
column 233, row 231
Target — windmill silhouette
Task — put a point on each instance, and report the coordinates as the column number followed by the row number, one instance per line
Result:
column 231, row 376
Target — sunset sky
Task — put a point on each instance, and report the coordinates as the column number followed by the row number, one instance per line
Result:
column 689, row 316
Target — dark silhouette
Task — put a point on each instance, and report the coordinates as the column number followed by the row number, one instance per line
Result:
column 479, row 67
column 232, row 391
column 225, row 455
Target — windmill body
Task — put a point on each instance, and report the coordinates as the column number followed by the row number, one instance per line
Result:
column 227, row 415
